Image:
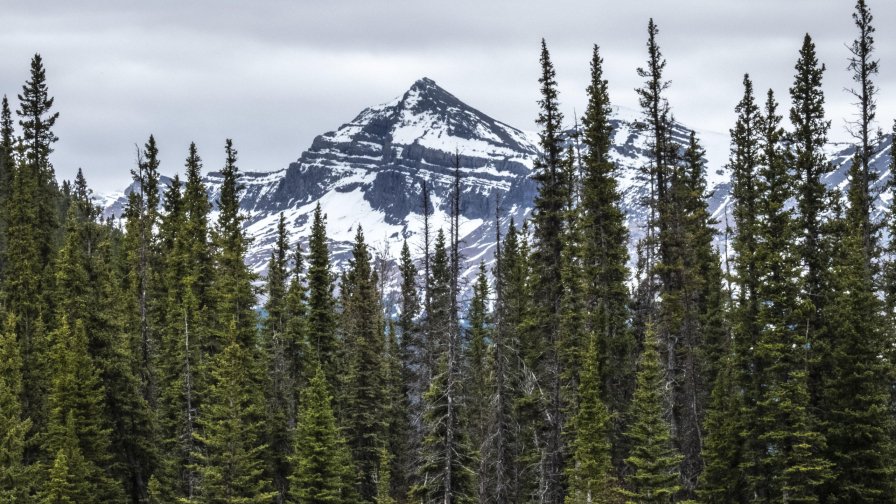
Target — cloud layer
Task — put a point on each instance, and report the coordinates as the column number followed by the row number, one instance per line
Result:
column 272, row 74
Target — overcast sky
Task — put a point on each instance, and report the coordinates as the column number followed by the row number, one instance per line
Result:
column 273, row 74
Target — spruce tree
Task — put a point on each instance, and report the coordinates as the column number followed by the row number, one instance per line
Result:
column 447, row 471
column 233, row 293
column 141, row 248
column 230, row 450
column 77, row 408
column 7, row 169
column 15, row 477
column 322, row 470
column 362, row 323
column 478, row 369
column 786, row 461
column 605, row 254
column 282, row 354
column 653, row 459
column 500, row 455
column 412, row 352
column 863, row 67
column 37, row 121
column 591, row 472
column 68, row 478
column 655, row 109
column 321, row 305
column 806, row 155
column 548, row 221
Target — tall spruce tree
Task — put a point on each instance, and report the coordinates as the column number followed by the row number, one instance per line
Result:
column 365, row 342
column 806, row 155
column 548, row 222
column 37, row 121
column 605, row 254
column 233, row 293
column 786, row 444
column 77, row 408
column 864, row 67
column 479, row 373
column 501, row 453
column 283, row 343
column 321, row 304
column 141, row 247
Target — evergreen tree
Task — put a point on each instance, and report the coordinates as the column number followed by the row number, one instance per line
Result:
column 591, row 472
column 500, row 464
column 605, row 254
column 37, row 121
column 7, row 150
column 806, row 155
column 361, row 318
column 186, row 339
column 322, row 471
column 230, row 449
column 283, row 353
column 413, row 359
column 77, row 408
column 233, row 292
column 141, row 248
column 7, row 169
column 68, row 479
column 657, row 122
column 722, row 481
column 478, row 369
column 395, row 451
column 446, row 473
column 15, row 477
column 864, row 67
column 653, row 459
column 787, row 449
column 548, row 221
column 321, row 305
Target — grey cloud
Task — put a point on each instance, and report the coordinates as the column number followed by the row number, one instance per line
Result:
column 272, row 74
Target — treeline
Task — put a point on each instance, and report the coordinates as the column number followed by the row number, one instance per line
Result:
column 136, row 365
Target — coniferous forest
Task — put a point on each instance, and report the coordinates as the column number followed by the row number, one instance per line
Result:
column 142, row 361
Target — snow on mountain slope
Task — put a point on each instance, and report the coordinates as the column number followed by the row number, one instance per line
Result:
column 370, row 171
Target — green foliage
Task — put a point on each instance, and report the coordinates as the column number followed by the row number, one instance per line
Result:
column 322, row 470
column 230, row 450
column 591, row 472
column 77, row 411
column 321, row 305
column 365, row 395
column 653, row 459
column 605, row 254
column 15, row 478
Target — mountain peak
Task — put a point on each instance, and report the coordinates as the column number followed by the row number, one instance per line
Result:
column 424, row 83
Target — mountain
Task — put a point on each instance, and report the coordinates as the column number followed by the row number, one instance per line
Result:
column 370, row 171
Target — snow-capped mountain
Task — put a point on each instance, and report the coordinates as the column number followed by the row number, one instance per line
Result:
column 370, row 172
